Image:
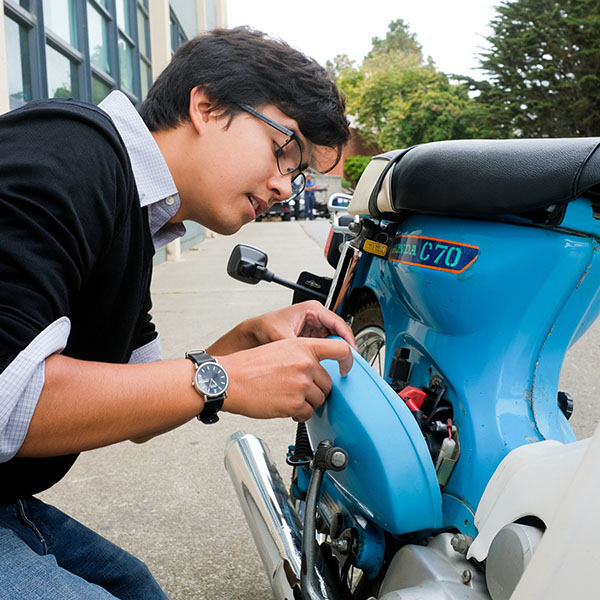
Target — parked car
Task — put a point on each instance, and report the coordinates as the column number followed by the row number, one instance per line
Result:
column 283, row 210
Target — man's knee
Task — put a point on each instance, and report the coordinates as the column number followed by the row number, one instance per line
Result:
column 25, row 575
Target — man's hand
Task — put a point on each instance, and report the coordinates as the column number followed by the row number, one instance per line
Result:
column 307, row 319
column 283, row 378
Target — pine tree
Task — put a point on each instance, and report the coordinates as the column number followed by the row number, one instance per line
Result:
column 544, row 68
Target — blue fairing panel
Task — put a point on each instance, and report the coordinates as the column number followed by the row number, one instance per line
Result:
column 390, row 477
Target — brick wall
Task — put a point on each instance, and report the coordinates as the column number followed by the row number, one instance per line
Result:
column 356, row 146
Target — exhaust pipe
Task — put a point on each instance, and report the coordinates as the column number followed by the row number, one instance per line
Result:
column 273, row 522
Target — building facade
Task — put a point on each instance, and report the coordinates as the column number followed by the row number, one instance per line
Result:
column 84, row 49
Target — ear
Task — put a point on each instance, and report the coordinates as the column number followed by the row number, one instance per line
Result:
column 200, row 108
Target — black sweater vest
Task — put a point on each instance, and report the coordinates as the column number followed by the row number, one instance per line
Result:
column 73, row 242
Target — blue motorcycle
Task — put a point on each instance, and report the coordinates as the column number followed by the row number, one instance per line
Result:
column 437, row 467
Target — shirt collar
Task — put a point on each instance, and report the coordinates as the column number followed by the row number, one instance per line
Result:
column 155, row 185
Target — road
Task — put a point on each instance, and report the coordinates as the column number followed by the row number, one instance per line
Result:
column 170, row 501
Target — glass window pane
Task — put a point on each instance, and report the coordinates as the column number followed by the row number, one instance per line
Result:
column 98, row 36
column 59, row 16
column 26, row 4
column 62, row 75
column 18, row 64
column 126, row 63
column 177, row 35
column 123, row 20
column 143, row 34
column 99, row 90
column 145, row 78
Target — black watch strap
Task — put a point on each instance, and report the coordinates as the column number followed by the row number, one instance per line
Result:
column 199, row 356
column 212, row 404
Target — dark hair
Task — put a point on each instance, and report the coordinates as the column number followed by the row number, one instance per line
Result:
column 243, row 66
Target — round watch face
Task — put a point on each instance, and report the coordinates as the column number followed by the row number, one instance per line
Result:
column 211, row 379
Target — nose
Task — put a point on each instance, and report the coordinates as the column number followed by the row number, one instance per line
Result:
column 280, row 186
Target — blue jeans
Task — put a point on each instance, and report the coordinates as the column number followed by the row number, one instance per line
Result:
column 309, row 205
column 47, row 555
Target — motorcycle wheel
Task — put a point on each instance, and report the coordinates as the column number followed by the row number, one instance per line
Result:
column 369, row 332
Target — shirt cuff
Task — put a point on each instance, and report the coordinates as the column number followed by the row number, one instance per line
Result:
column 21, row 384
column 149, row 352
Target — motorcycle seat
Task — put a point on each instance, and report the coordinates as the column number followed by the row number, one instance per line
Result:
column 480, row 178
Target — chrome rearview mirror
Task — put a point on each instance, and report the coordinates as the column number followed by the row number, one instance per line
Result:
column 339, row 202
column 338, row 209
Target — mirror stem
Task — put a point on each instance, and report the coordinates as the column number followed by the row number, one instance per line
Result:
column 267, row 275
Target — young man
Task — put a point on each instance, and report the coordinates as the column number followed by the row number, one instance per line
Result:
column 87, row 195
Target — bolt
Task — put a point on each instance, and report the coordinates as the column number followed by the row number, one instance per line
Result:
column 320, row 524
column 338, row 459
column 466, row 576
column 342, row 545
column 461, row 543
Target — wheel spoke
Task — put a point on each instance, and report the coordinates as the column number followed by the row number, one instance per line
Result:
column 370, row 342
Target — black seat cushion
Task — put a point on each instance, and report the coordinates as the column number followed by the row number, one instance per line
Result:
column 494, row 177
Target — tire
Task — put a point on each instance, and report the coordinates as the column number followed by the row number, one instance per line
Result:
column 369, row 331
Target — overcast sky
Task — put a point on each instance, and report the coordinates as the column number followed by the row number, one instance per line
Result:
column 450, row 31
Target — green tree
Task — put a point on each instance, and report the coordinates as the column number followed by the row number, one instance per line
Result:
column 419, row 105
column 354, row 167
column 397, row 98
column 398, row 39
column 544, row 69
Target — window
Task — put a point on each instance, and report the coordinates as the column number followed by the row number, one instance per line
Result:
column 101, row 51
column 21, row 47
column 144, row 47
column 60, row 18
column 62, row 75
column 18, row 63
column 126, row 43
column 64, row 61
column 77, row 48
column 178, row 37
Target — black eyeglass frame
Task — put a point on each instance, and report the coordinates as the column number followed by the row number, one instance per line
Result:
column 291, row 137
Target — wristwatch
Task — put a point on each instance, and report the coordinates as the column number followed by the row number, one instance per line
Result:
column 210, row 381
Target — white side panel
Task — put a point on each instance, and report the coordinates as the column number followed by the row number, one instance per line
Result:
column 530, row 481
column 566, row 563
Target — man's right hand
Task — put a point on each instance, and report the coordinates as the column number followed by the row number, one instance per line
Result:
column 283, row 378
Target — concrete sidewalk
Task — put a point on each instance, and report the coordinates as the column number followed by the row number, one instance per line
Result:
column 170, row 501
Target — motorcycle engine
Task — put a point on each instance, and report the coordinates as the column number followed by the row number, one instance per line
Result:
column 433, row 572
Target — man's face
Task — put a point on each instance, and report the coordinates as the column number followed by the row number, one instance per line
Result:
column 232, row 173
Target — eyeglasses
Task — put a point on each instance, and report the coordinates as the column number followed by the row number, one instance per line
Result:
column 288, row 155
